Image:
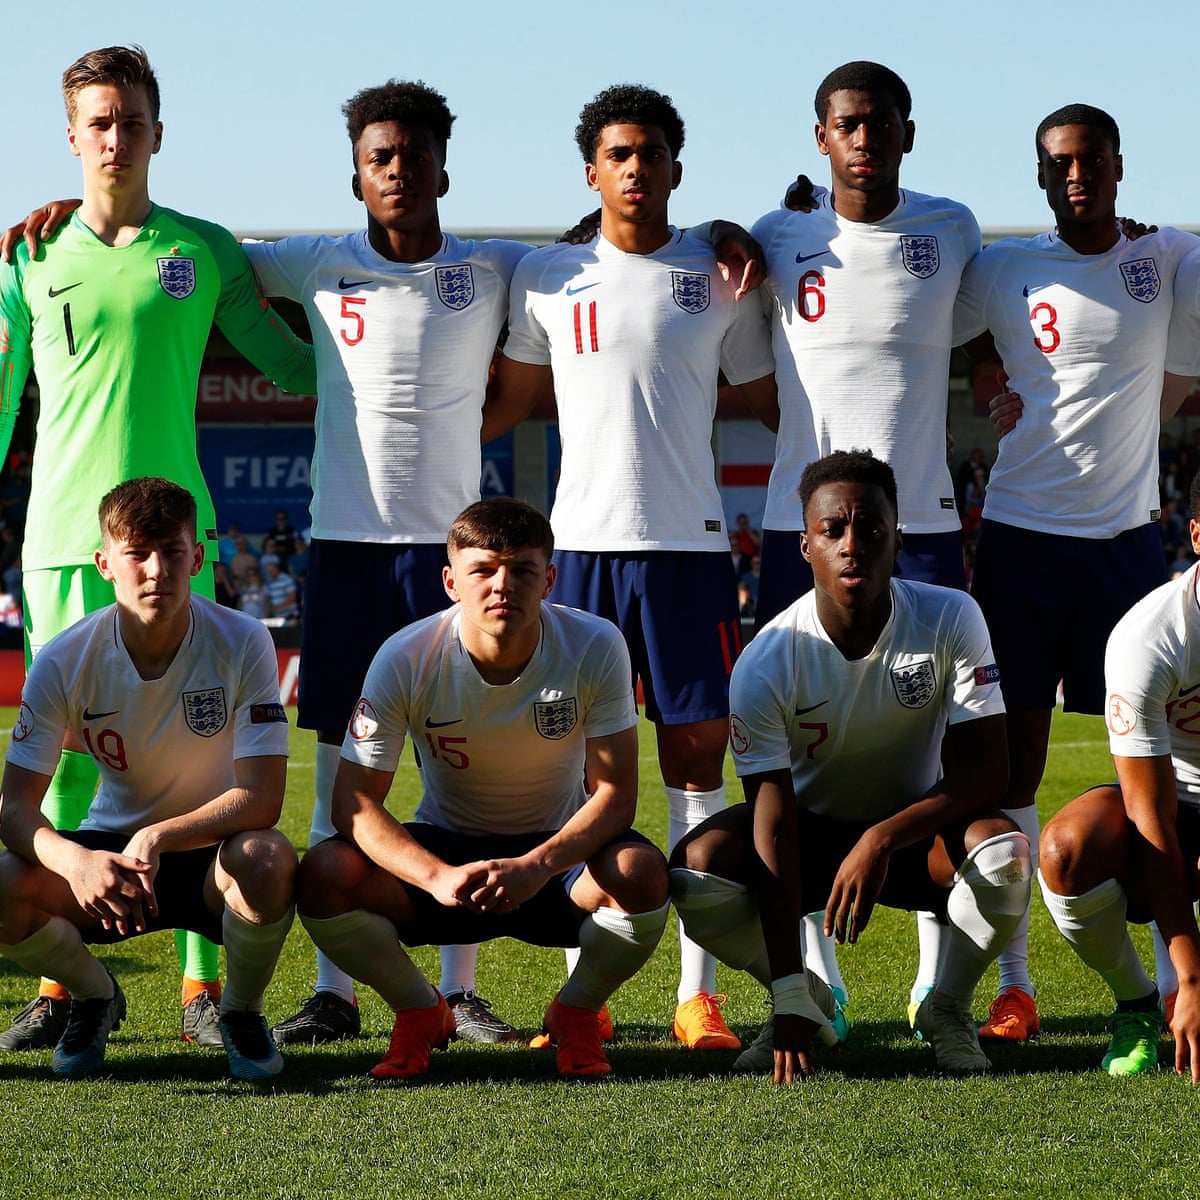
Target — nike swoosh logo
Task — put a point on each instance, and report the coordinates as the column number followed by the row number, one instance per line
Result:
column 583, row 287
column 440, row 724
column 801, row 711
column 91, row 716
column 59, row 291
column 805, row 257
column 1189, row 691
column 345, row 287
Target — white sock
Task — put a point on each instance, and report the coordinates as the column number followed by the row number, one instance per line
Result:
column 1014, row 958
column 929, row 954
column 571, row 954
column 57, row 951
column 723, row 918
column 1095, row 925
column 365, row 944
column 613, row 946
column 458, row 968
column 685, row 811
column 990, row 893
column 251, row 952
column 1165, row 975
column 329, row 977
column 820, row 952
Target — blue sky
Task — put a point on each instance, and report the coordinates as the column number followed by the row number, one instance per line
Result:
column 254, row 136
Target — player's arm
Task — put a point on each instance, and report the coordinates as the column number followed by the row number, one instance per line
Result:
column 360, row 815
column 511, row 397
column 36, row 227
column 109, row 887
column 1148, row 789
column 738, row 253
column 762, row 398
column 776, row 883
column 1175, row 392
column 974, row 780
column 252, row 326
column 611, row 776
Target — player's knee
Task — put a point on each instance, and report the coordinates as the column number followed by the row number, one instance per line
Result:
column 262, row 862
column 328, row 874
column 634, row 876
column 1000, row 867
column 17, row 889
column 1064, row 852
column 985, row 829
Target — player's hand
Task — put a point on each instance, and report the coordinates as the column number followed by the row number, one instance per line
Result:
column 793, row 1045
column 37, row 227
column 1185, row 1026
column 856, row 887
column 739, row 257
column 800, row 196
column 583, row 231
column 1004, row 411
column 509, row 883
column 109, row 887
column 1134, row 229
column 452, row 886
column 143, row 847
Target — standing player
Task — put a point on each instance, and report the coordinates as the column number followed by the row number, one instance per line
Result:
column 634, row 328
column 1075, row 483
column 542, row 851
column 113, row 317
column 868, row 730
column 1130, row 851
column 180, row 700
column 862, row 295
column 405, row 320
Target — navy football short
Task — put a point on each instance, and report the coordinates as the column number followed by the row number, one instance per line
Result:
column 678, row 613
column 1051, row 601
column 356, row 596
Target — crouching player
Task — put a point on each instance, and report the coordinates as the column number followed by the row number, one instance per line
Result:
column 868, row 730
column 177, row 699
column 524, row 717
column 1129, row 851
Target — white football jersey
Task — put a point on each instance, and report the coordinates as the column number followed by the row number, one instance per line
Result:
column 1083, row 338
column 1183, row 340
column 863, row 738
column 403, row 351
column 862, row 318
column 1152, row 675
column 164, row 746
column 505, row 758
column 635, row 341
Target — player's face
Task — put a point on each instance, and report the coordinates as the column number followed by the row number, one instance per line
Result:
column 1079, row 172
column 634, row 173
column 500, row 594
column 151, row 578
column 401, row 175
column 114, row 135
column 851, row 540
column 865, row 137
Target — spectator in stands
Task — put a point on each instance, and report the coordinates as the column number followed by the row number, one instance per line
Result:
column 243, row 562
column 227, row 542
column 224, row 589
column 298, row 561
column 749, row 540
column 750, row 579
column 972, row 502
column 282, row 531
column 741, row 562
column 253, row 598
column 281, row 587
column 965, row 476
column 273, row 552
column 745, row 600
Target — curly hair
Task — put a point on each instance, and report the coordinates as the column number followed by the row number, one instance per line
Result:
column 849, row 466
column 628, row 104
column 403, row 101
column 863, row 76
column 1079, row 114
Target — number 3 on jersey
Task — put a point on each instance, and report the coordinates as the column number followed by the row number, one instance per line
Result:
column 1044, row 318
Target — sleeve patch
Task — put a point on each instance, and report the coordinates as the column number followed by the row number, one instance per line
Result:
column 739, row 735
column 988, row 674
column 267, row 714
column 1121, row 715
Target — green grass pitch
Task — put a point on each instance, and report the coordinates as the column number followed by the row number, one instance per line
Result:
column 496, row 1122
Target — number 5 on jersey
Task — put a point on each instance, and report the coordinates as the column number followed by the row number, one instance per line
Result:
column 352, row 334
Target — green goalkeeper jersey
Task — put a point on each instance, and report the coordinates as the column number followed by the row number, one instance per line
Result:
column 115, row 336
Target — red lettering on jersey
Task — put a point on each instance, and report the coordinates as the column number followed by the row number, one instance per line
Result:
column 354, row 334
column 810, row 298
column 1046, row 336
